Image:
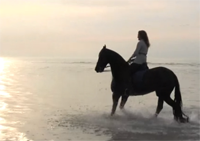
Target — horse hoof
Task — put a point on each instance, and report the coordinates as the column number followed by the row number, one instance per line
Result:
column 121, row 107
column 187, row 119
column 183, row 120
column 175, row 118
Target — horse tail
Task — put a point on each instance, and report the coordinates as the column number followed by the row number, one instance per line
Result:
column 178, row 98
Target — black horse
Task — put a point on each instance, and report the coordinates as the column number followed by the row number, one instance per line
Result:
column 159, row 79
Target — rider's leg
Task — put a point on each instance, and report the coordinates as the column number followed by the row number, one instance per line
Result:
column 134, row 68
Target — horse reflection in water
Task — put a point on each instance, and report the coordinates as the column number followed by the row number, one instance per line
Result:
column 159, row 79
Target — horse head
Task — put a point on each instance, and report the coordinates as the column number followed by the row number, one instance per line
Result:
column 102, row 60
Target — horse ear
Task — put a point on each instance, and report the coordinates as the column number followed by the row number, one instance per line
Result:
column 104, row 47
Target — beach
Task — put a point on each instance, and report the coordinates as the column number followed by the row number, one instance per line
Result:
column 66, row 100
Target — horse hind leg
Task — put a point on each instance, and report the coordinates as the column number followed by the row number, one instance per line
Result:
column 178, row 114
column 165, row 95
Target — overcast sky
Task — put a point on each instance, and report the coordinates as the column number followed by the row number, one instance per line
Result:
column 79, row 28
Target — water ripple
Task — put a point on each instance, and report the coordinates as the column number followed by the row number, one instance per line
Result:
column 10, row 107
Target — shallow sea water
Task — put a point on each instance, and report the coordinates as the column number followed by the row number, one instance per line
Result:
column 46, row 99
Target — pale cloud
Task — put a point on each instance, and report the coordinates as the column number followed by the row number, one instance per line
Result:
column 52, row 26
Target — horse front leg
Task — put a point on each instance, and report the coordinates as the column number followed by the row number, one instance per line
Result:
column 115, row 98
column 123, row 101
column 159, row 106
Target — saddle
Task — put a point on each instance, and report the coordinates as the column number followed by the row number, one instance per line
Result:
column 135, row 85
column 137, row 77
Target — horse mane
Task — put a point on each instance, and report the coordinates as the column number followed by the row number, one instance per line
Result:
column 117, row 56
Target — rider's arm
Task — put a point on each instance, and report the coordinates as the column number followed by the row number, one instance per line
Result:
column 136, row 52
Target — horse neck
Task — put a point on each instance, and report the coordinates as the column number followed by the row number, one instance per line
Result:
column 119, row 68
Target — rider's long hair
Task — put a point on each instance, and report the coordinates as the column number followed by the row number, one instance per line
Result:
column 143, row 35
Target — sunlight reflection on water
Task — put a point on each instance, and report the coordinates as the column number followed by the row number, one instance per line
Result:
column 2, row 62
column 3, row 105
column 7, row 132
